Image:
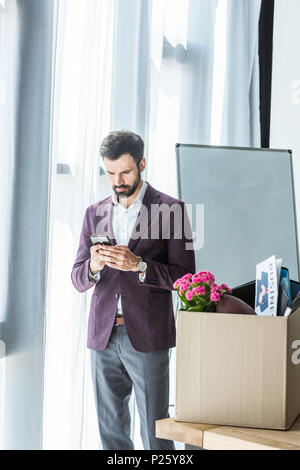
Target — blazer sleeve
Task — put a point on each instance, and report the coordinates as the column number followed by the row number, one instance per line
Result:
column 80, row 270
column 181, row 258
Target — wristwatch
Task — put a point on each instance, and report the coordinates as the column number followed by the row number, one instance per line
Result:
column 142, row 266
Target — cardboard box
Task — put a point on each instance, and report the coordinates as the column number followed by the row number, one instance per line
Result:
column 238, row 370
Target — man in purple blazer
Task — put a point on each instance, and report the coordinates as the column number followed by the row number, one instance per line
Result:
column 131, row 324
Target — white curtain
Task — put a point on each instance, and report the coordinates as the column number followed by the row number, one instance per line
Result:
column 167, row 70
column 26, row 40
column 240, row 114
column 204, row 86
column 81, row 114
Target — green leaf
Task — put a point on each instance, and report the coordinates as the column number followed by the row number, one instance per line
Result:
column 183, row 298
column 197, row 308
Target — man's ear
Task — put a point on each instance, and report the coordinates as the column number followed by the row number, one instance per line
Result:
column 142, row 164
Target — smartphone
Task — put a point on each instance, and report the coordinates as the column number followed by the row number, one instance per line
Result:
column 102, row 239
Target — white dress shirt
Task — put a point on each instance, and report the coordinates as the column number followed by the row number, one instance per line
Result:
column 123, row 221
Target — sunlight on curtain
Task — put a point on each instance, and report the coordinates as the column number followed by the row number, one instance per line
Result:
column 204, row 85
column 101, row 68
column 182, row 46
column 176, row 22
column 81, row 113
column 219, row 72
column 240, row 104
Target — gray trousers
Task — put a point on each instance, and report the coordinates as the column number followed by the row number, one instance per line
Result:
column 114, row 371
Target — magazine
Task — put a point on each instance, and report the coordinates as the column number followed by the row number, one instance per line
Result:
column 267, row 285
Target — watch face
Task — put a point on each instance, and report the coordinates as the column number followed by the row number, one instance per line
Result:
column 142, row 266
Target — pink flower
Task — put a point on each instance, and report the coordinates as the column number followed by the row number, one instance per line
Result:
column 203, row 276
column 225, row 287
column 184, row 286
column 189, row 294
column 214, row 296
column 201, row 284
column 184, row 281
column 200, row 290
column 217, row 288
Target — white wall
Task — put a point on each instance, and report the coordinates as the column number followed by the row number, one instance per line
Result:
column 285, row 118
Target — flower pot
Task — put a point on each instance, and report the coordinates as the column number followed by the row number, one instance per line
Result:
column 231, row 304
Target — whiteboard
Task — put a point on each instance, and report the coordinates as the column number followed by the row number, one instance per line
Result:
column 246, row 198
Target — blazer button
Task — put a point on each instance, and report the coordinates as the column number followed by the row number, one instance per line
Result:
column 116, row 296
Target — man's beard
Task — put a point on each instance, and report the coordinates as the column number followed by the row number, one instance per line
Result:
column 129, row 191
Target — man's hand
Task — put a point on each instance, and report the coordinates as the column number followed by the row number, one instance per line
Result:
column 119, row 257
column 97, row 262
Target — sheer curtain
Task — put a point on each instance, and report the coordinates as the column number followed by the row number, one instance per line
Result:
column 169, row 70
column 204, row 85
column 81, row 114
column 26, row 39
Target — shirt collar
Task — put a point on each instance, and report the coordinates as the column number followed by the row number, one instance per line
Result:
column 137, row 200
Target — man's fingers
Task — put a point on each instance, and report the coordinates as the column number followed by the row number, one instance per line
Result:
column 106, row 255
column 116, row 248
column 95, row 248
column 113, row 255
column 113, row 265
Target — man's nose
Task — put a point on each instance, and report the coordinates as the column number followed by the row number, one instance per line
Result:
column 118, row 181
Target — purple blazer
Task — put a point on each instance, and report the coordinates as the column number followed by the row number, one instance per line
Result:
column 147, row 306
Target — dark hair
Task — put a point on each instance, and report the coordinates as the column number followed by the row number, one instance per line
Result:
column 119, row 142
